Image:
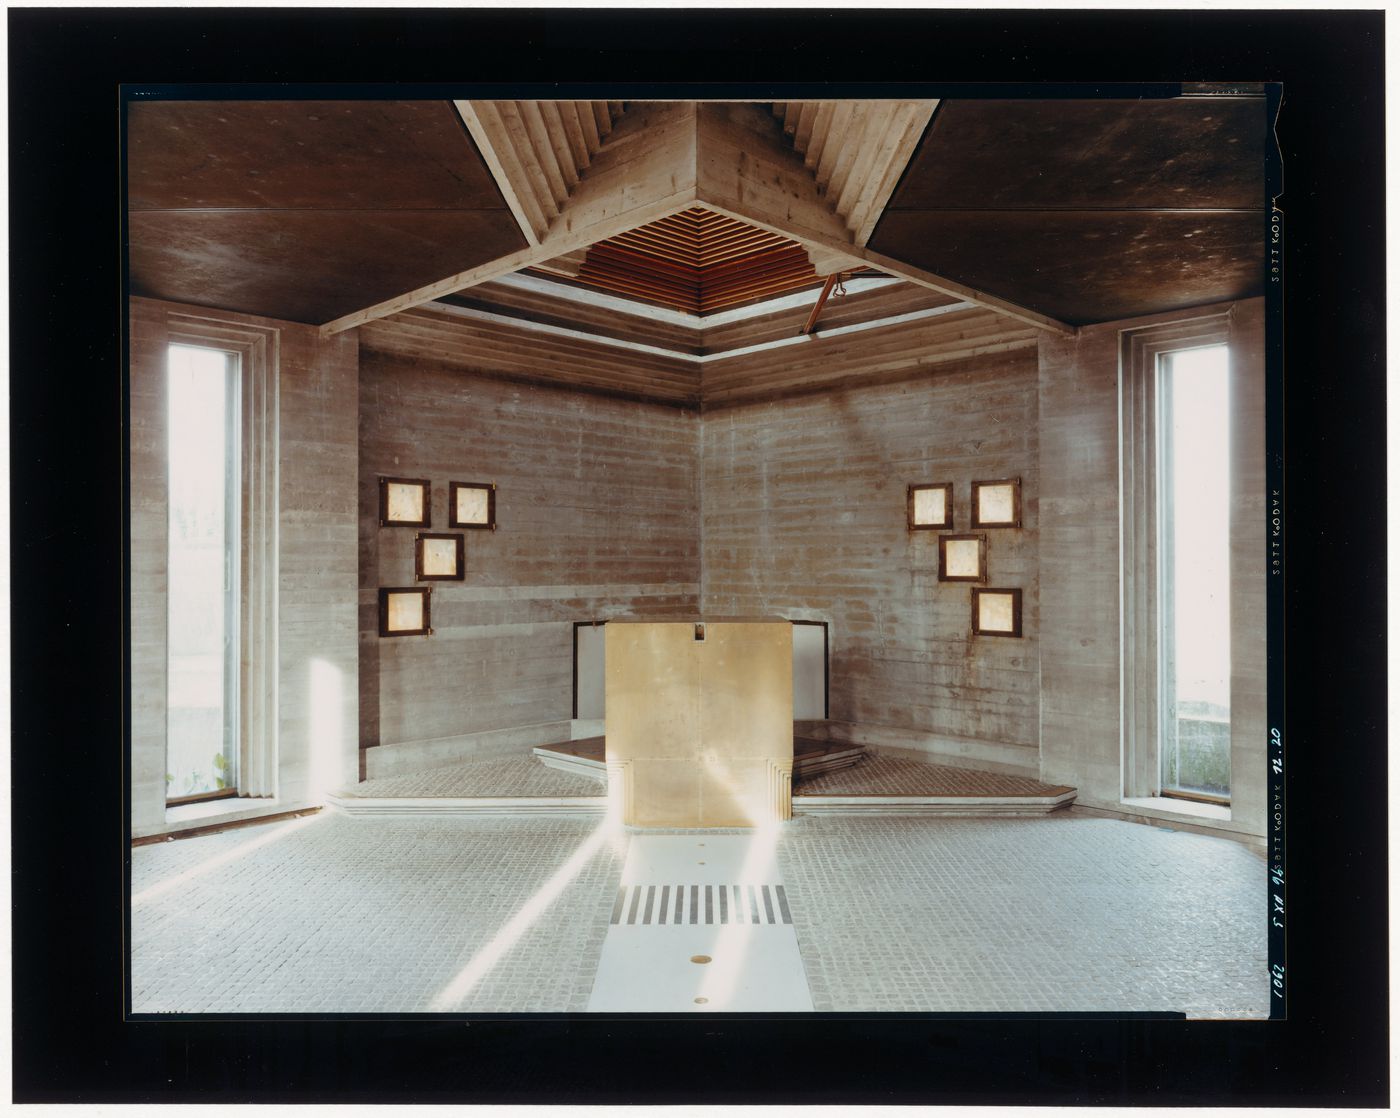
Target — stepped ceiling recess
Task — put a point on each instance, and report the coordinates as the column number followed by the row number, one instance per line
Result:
column 697, row 231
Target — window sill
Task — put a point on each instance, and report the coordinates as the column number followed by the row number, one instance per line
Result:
column 235, row 809
column 1172, row 806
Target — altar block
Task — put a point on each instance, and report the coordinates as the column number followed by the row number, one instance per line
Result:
column 698, row 719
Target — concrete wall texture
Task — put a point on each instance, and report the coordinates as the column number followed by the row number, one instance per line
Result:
column 794, row 507
column 804, row 517
column 597, row 501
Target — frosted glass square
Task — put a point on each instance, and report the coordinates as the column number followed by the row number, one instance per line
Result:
column 995, row 613
column 405, row 612
column 963, row 558
column 996, row 504
column 405, row 502
column 440, row 557
column 472, row 506
column 930, row 506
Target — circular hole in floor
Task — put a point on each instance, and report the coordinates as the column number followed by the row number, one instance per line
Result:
column 701, row 1001
column 699, row 958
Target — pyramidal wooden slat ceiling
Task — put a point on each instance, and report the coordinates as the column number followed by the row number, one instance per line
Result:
column 853, row 148
column 697, row 261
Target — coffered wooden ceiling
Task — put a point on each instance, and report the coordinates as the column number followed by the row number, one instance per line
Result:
column 697, row 261
column 1053, row 213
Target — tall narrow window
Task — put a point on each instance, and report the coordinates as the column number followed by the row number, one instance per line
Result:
column 202, row 627
column 1194, row 572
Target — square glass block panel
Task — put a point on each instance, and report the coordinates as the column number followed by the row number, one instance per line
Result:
column 471, row 505
column 404, row 502
column 996, row 504
column 962, row 558
column 403, row 611
column 439, row 556
column 996, row 613
column 931, row 506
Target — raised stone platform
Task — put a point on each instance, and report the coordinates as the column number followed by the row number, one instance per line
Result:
column 569, row 778
column 810, row 757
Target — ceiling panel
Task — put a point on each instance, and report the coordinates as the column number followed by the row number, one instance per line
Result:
column 1083, row 267
column 306, row 266
column 340, row 155
column 1088, row 210
column 306, row 210
column 1188, row 151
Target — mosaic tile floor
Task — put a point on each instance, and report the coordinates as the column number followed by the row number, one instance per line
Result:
column 492, row 776
column 528, row 776
column 339, row 914
column 895, row 776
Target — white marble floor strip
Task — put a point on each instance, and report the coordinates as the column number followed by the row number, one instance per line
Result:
column 701, row 923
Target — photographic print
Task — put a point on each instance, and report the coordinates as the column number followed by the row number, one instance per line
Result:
column 711, row 760
column 699, row 479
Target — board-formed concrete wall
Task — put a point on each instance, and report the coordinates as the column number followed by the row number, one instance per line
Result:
column 315, row 694
column 597, row 503
column 805, row 517
column 610, row 508
column 1080, row 565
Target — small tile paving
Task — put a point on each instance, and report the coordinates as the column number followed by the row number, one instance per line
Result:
column 372, row 914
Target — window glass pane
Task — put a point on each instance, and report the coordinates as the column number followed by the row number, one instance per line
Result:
column 1196, row 572
column 201, row 679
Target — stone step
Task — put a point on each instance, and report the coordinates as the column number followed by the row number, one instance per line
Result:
column 810, row 757
column 870, row 804
column 470, row 805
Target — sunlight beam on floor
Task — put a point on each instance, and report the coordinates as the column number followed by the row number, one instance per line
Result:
column 731, row 946
column 199, row 869
column 484, row 960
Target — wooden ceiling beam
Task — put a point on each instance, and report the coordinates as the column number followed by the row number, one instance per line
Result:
column 750, row 173
column 564, row 153
column 545, row 158
column 583, row 111
column 854, row 143
column 567, row 264
column 803, row 136
column 732, row 159
column 488, row 132
column 567, row 112
column 646, row 171
column 838, row 132
column 831, row 282
column 821, row 129
column 518, row 134
column 602, row 118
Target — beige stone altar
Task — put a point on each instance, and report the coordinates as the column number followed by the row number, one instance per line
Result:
column 698, row 719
